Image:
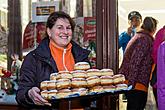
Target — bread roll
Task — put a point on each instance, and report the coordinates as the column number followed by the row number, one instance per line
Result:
column 106, row 80
column 118, row 78
column 80, row 91
column 64, row 75
column 93, row 81
column 44, row 94
column 93, row 72
column 79, row 74
column 109, row 88
column 51, row 85
column 43, row 85
column 63, row 93
column 81, row 66
column 96, row 89
column 78, row 82
column 53, row 76
column 63, row 84
column 121, row 86
column 52, row 94
column 106, row 72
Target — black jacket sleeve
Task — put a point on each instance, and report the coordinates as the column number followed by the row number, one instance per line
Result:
column 26, row 81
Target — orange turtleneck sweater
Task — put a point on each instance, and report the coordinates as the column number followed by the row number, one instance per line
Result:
column 63, row 57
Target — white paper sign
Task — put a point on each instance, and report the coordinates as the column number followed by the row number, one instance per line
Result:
column 41, row 10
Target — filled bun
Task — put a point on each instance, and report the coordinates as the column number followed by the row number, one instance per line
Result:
column 78, row 82
column 93, row 81
column 106, row 72
column 106, row 80
column 52, row 94
column 96, row 89
column 53, row 76
column 93, row 72
column 51, row 85
column 79, row 74
column 82, row 66
column 63, row 93
column 43, row 85
column 63, row 83
column 64, row 75
column 118, row 78
column 80, row 91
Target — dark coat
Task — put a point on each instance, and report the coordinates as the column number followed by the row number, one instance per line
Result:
column 38, row 65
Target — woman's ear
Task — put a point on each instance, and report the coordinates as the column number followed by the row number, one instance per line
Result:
column 48, row 32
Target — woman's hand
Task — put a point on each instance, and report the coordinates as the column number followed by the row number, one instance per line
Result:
column 33, row 93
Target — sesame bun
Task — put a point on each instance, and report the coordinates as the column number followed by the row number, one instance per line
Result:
column 82, row 66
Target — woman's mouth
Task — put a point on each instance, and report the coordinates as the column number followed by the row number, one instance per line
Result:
column 63, row 37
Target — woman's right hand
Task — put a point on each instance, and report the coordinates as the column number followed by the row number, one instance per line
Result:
column 34, row 94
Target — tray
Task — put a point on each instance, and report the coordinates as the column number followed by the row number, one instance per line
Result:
column 93, row 95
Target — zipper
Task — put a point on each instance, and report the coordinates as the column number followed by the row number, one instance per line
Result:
column 63, row 59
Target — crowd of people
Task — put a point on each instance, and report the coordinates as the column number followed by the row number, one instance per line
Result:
column 143, row 60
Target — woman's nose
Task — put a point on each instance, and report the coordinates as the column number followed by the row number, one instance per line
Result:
column 65, row 31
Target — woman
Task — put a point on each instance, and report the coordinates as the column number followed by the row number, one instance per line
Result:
column 159, row 38
column 137, row 64
column 161, row 76
column 57, row 52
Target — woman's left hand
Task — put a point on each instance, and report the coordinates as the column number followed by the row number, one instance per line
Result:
column 34, row 94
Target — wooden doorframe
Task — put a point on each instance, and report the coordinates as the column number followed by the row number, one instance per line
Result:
column 107, row 44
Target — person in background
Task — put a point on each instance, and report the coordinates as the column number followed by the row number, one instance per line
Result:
column 161, row 76
column 48, row 58
column 134, row 21
column 159, row 38
column 137, row 64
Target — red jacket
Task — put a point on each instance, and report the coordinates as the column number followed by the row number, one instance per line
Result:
column 137, row 61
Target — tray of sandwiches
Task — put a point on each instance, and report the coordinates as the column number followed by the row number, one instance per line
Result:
column 83, row 82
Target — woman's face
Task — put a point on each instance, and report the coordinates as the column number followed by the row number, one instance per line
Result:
column 61, row 32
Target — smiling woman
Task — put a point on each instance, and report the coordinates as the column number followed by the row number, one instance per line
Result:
column 57, row 52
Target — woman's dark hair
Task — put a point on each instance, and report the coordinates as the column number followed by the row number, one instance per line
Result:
column 56, row 15
column 149, row 24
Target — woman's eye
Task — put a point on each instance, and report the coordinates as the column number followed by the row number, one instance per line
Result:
column 59, row 27
column 68, row 28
